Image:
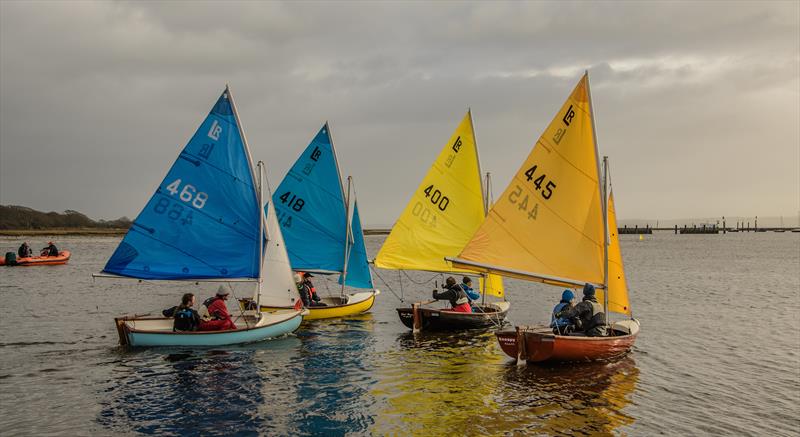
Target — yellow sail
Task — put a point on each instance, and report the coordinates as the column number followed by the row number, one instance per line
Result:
column 444, row 211
column 549, row 219
column 494, row 286
column 617, row 287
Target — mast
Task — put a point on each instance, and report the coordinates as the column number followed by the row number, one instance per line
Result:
column 603, row 187
column 348, row 235
column 261, row 228
column 478, row 160
column 257, row 180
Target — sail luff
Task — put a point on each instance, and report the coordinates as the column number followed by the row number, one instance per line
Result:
column 604, row 193
column 256, row 185
column 478, row 162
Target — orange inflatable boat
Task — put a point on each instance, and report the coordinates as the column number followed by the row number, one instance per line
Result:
column 62, row 258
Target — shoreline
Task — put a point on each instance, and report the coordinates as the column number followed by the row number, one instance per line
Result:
column 61, row 231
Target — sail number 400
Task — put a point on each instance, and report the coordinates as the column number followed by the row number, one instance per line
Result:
column 436, row 198
column 188, row 194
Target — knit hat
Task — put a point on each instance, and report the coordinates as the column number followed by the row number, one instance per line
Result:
column 567, row 295
column 222, row 291
column 588, row 290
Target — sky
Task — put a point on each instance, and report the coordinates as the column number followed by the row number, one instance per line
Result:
column 697, row 104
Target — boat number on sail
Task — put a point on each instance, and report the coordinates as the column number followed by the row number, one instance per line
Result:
column 188, row 194
column 424, row 214
column 294, row 202
column 514, row 196
column 436, row 198
column 547, row 191
column 568, row 116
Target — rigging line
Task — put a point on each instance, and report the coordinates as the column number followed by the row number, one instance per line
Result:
column 241, row 307
column 400, row 298
column 419, row 283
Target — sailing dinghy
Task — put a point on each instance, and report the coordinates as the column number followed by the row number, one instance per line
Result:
column 552, row 226
column 322, row 229
column 205, row 222
column 444, row 212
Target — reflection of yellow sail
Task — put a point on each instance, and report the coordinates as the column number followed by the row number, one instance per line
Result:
column 494, row 286
column 549, row 220
column 451, row 385
column 444, row 211
column 617, row 287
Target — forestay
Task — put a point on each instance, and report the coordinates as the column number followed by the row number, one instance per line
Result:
column 444, row 211
column 549, row 220
column 203, row 220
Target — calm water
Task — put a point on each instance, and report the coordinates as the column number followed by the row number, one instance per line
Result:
column 718, row 354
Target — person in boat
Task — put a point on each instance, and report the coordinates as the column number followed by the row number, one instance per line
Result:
column 186, row 318
column 50, row 250
column 589, row 314
column 218, row 311
column 25, row 250
column 315, row 299
column 306, row 290
column 455, row 294
column 563, row 325
column 472, row 295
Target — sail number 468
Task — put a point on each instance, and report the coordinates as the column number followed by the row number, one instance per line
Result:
column 188, row 194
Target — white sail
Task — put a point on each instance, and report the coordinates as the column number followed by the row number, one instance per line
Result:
column 278, row 289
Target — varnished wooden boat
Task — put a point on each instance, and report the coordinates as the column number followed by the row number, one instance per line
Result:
column 539, row 344
column 435, row 319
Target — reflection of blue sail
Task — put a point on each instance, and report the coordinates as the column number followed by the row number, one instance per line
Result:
column 202, row 222
column 313, row 215
column 358, row 274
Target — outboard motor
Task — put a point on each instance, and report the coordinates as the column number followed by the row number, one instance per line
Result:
column 11, row 258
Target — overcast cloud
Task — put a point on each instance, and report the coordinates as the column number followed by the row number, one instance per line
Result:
column 697, row 104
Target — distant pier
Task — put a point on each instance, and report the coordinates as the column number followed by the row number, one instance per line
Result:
column 634, row 230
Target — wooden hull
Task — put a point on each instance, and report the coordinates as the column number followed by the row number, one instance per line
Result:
column 62, row 258
column 442, row 320
column 356, row 304
column 157, row 331
column 541, row 345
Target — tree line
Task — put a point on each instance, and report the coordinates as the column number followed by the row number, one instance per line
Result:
column 20, row 217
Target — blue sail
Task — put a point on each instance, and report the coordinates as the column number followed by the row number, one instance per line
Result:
column 358, row 274
column 203, row 220
column 311, row 210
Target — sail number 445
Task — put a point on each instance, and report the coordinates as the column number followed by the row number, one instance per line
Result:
column 539, row 180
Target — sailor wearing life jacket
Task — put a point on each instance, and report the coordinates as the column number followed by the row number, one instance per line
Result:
column 456, row 295
column 186, row 318
column 589, row 313
column 562, row 325
column 472, row 295
column 218, row 310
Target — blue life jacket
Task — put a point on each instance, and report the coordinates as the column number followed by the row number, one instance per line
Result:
column 472, row 295
column 560, row 322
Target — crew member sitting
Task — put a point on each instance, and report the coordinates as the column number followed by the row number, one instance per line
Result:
column 316, row 301
column 218, row 310
column 304, row 287
column 50, row 250
column 186, row 318
column 589, row 313
column 456, row 295
column 25, row 251
column 562, row 325
column 472, row 295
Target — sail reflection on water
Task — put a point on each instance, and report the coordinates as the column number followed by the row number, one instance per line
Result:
column 460, row 385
